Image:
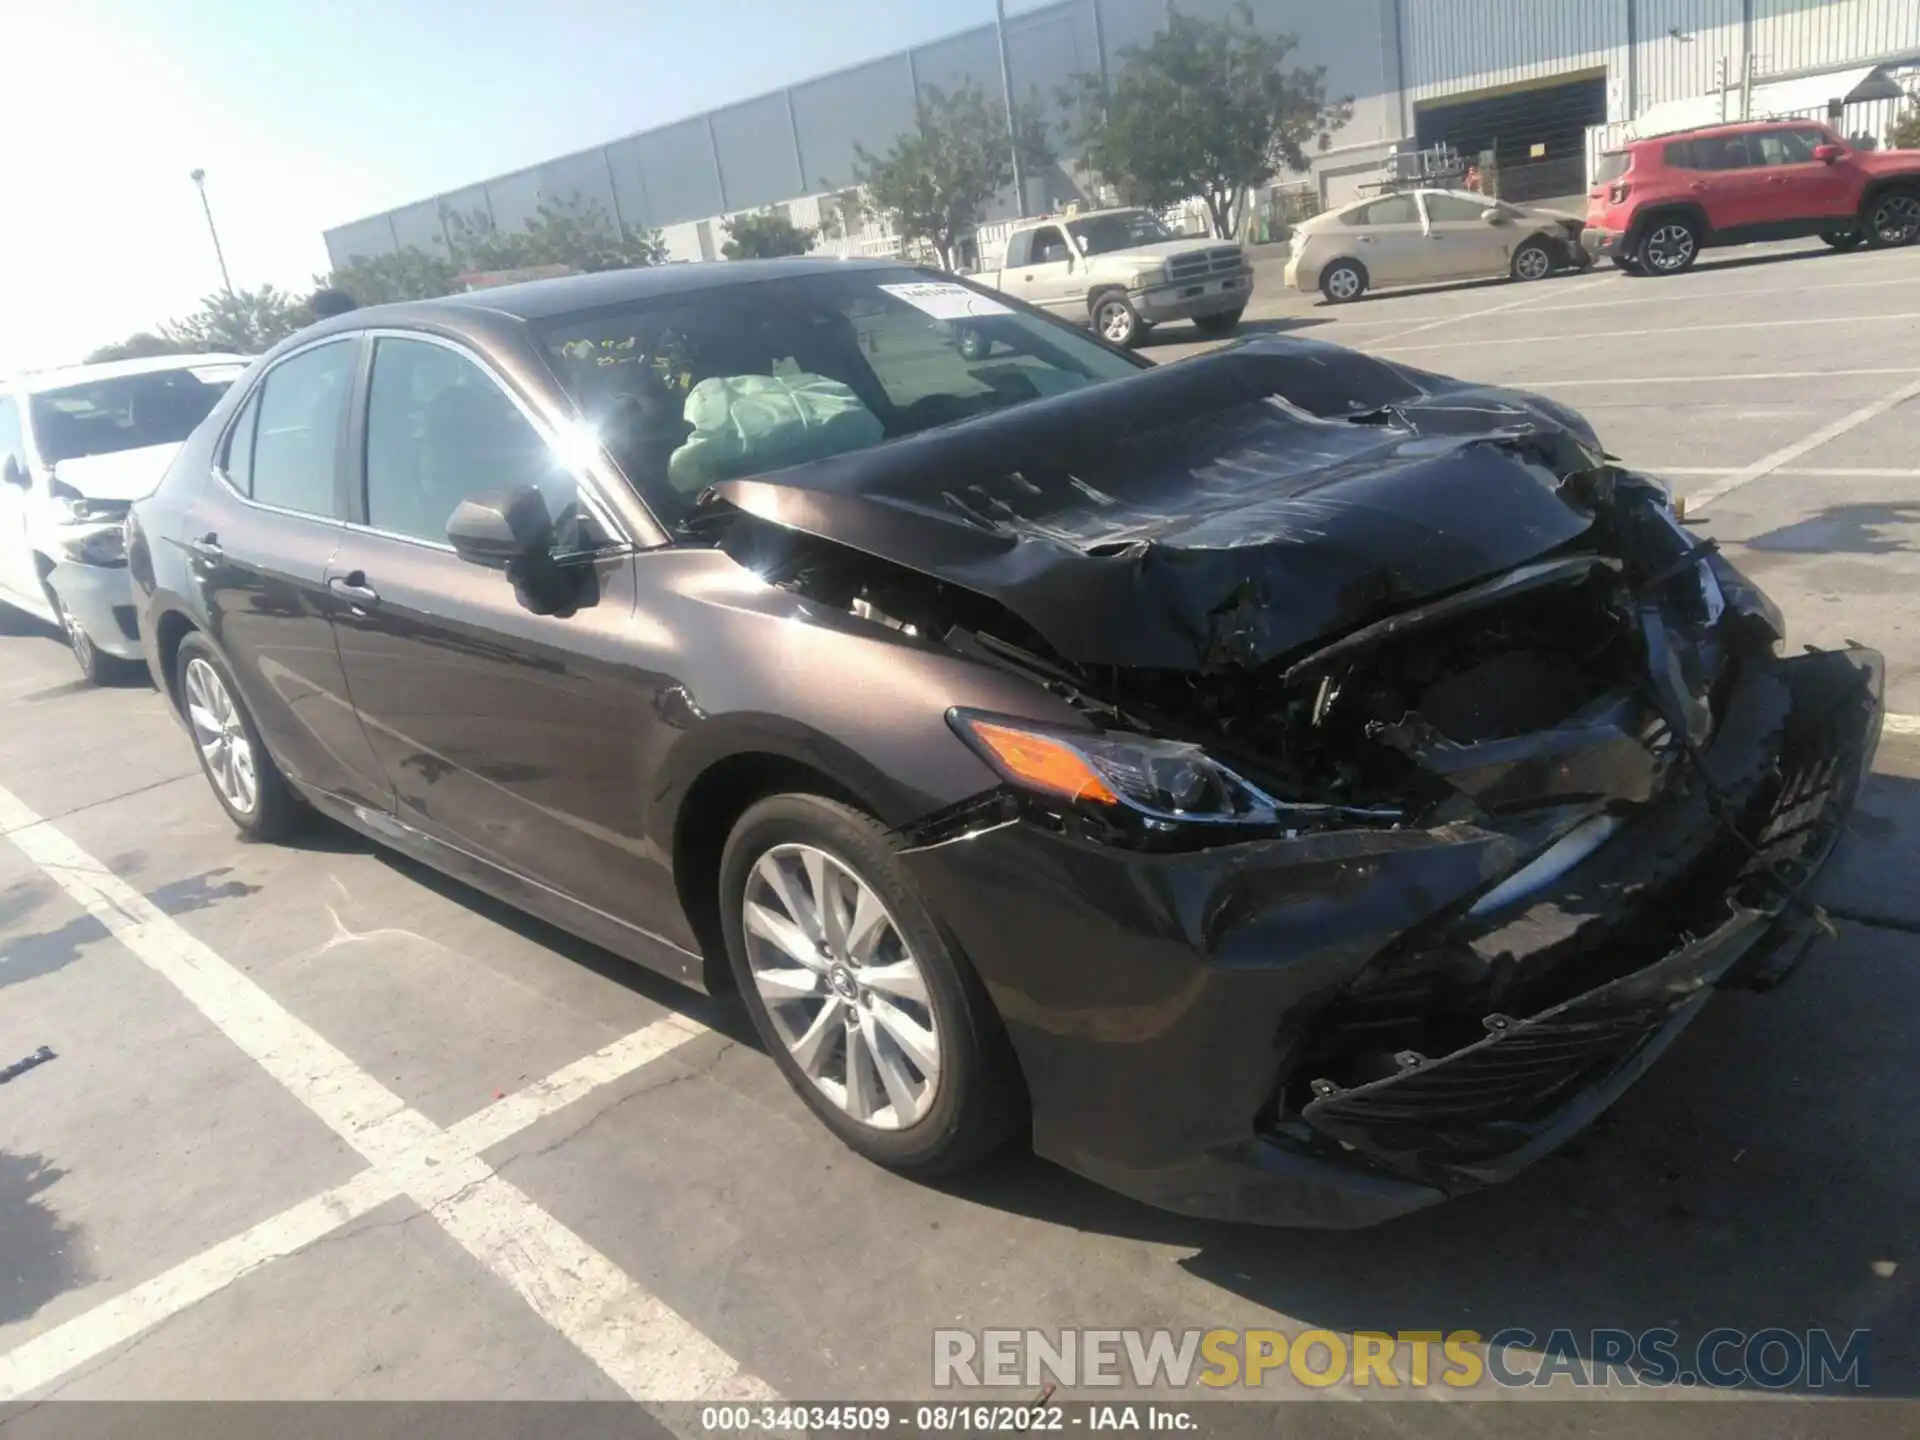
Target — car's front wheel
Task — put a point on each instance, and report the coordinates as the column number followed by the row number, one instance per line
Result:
column 1532, row 261
column 1892, row 218
column 1116, row 321
column 98, row 667
column 878, row 1025
column 1669, row 246
column 246, row 782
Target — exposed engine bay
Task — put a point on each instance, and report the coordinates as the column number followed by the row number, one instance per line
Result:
column 1529, row 626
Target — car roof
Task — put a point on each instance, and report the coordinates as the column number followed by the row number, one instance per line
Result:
column 608, row 289
column 1732, row 127
column 34, row 382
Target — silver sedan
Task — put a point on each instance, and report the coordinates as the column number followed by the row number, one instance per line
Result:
column 1419, row 237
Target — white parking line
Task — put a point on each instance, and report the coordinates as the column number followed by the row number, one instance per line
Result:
column 1531, row 384
column 1579, row 338
column 1787, row 454
column 636, row 1339
column 1900, row 725
column 1804, row 472
column 1473, row 315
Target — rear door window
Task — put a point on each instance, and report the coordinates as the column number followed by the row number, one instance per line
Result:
column 1392, row 210
column 1049, row 246
column 1443, row 208
column 1710, row 152
column 236, row 458
column 296, row 448
column 1019, row 249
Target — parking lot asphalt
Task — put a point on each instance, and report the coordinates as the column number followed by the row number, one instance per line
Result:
column 321, row 1124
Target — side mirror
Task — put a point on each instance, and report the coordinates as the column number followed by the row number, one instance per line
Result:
column 498, row 528
column 15, row 474
column 1827, row 154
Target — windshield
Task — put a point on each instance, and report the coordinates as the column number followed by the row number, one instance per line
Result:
column 127, row 412
column 744, row 379
column 1122, row 230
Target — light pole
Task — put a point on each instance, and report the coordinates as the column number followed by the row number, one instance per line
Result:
column 1006, row 97
column 200, row 184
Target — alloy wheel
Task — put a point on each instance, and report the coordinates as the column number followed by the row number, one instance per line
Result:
column 1896, row 219
column 222, row 737
column 1344, row 283
column 1532, row 263
column 1116, row 323
column 78, row 640
column 845, row 993
column 1670, row 247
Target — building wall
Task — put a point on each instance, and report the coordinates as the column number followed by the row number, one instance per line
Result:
column 1389, row 55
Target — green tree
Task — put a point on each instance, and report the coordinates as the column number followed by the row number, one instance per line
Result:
column 406, row 274
column 143, row 345
column 576, row 233
column 938, row 177
column 1207, row 108
column 1904, row 133
column 246, row 322
column 764, row 234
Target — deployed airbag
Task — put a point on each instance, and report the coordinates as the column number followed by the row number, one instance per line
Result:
column 747, row 424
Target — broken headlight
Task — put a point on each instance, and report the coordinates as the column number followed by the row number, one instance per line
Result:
column 1160, row 784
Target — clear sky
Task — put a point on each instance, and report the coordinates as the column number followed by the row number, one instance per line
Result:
column 307, row 113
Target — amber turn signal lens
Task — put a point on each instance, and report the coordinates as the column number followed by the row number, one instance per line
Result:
column 1042, row 763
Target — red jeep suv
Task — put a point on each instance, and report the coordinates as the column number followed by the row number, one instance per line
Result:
column 1658, row 203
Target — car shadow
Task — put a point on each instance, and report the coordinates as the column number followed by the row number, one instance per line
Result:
column 1188, row 334
column 1714, row 261
column 1766, row 1172
column 1860, row 529
column 1453, row 287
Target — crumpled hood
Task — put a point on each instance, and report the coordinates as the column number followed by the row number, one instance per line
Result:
column 121, row 475
column 1223, row 510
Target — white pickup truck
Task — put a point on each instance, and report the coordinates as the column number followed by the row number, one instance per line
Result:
column 1122, row 272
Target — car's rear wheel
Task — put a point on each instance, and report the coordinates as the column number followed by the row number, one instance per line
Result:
column 1843, row 239
column 246, row 782
column 1891, row 218
column 98, row 667
column 1116, row 321
column 1532, row 261
column 880, row 1028
column 1343, row 282
column 1670, row 246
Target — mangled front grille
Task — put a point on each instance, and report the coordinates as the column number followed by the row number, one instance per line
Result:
column 1664, row 917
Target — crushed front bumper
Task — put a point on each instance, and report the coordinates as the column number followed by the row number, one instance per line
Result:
column 1164, row 1006
column 100, row 599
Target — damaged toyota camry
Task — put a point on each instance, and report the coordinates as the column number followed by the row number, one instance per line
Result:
column 1291, row 786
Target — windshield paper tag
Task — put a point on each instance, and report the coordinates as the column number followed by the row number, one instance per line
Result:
column 946, row 301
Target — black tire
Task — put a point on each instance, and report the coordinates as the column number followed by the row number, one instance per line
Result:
column 1115, row 320
column 277, row 811
column 1224, row 323
column 1843, row 239
column 1891, row 218
column 98, row 667
column 1343, row 291
column 1668, row 246
column 978, row 1100
column 971, row 344
column 1534, row 260
column 1626, row 264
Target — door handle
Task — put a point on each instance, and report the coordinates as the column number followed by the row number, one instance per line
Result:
column 1776, row 179
column 1700, row 187
column 207, row 548
column 353, row 586
column 1366, row 239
